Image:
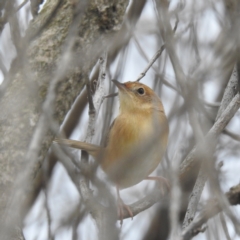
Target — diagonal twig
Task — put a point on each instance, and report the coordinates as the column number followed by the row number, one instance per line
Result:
column 210, row 210
column 216, row 129
column 202, row 176
column 151, row 62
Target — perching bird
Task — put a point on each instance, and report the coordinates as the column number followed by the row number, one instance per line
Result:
column 137, row 138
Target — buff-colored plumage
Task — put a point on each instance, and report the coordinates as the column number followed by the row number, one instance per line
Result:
column 137, row 140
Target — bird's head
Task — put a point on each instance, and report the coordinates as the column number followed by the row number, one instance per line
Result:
column 135, row 96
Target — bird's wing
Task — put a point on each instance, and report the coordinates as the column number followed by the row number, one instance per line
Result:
column 105, row 143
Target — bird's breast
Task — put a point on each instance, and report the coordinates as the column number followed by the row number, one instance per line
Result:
column 135, row 147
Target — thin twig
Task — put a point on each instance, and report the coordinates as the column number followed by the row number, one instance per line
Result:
column 96, row 100
column 210, row 210
column 3, row 67
column 195, row 196
column 216, row 129
column 224, row 226
column 77, row 221
column 175, row 197
column 232, row 135
column 99, row 217
column 229, row 92
column 141, row 51
column 202, row 176
column 152, row 61
column 155, row 57
column 49, row 221
column 21, row 5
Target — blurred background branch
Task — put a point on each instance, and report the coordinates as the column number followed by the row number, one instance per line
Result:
column 57, row 60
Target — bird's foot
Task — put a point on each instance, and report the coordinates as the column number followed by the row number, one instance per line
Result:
column 121, row 207
column 163, row 182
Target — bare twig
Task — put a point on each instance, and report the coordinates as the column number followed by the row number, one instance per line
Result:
column 95, row 102
column 229, row 92
column 76, row 223
column 22, row 5
column 155, row 57
column 224, row 226
column 210, row 210
column 202, row 176
column 232, row 135
column 195, row 196
column 217, row 128
column 49, row 219
column 3, row 67
column 175, row 197
column 152, row 61
column 144, row 203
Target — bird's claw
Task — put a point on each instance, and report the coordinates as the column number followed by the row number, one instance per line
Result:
column 121, row 206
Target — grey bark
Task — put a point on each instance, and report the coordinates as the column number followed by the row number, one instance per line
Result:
column 62, row 23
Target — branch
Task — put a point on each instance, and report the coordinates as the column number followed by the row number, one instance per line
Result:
column 42, row 65
column 175, row 197
column 216, row 129
column 96, row 209
column 155, row 57
column 229, row 92
column 232, row 135
column 96, row 100
column 151, row 62
column 22, row 4
column 195, row 196
column 105, row 216
column 145, row 203
column 202, row 176
column 210, row 210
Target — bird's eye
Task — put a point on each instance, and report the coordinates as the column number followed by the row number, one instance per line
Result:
column 140, row 91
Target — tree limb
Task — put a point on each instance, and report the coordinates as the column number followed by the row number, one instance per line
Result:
column 210, row 210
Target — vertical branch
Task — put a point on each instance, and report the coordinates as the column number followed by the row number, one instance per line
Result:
column 224, row 226
column 101, row 218
column 195, row 196
column 202, row 176
column 96, row 100
column 229, row 92
column 175, row 197
column 49, row 221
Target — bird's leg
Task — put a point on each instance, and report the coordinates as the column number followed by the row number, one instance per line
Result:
column 160, row 180
column 121, row 206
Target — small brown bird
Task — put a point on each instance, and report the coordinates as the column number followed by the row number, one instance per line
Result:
column 137, row 138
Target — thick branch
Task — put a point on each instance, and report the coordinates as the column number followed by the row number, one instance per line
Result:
column 21, row 104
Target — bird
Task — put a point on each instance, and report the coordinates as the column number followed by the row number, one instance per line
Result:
column 136, row 142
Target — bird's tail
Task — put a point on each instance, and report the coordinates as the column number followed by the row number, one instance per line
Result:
column 92, row 149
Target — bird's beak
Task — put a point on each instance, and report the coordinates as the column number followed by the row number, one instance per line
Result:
column 119, row 85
